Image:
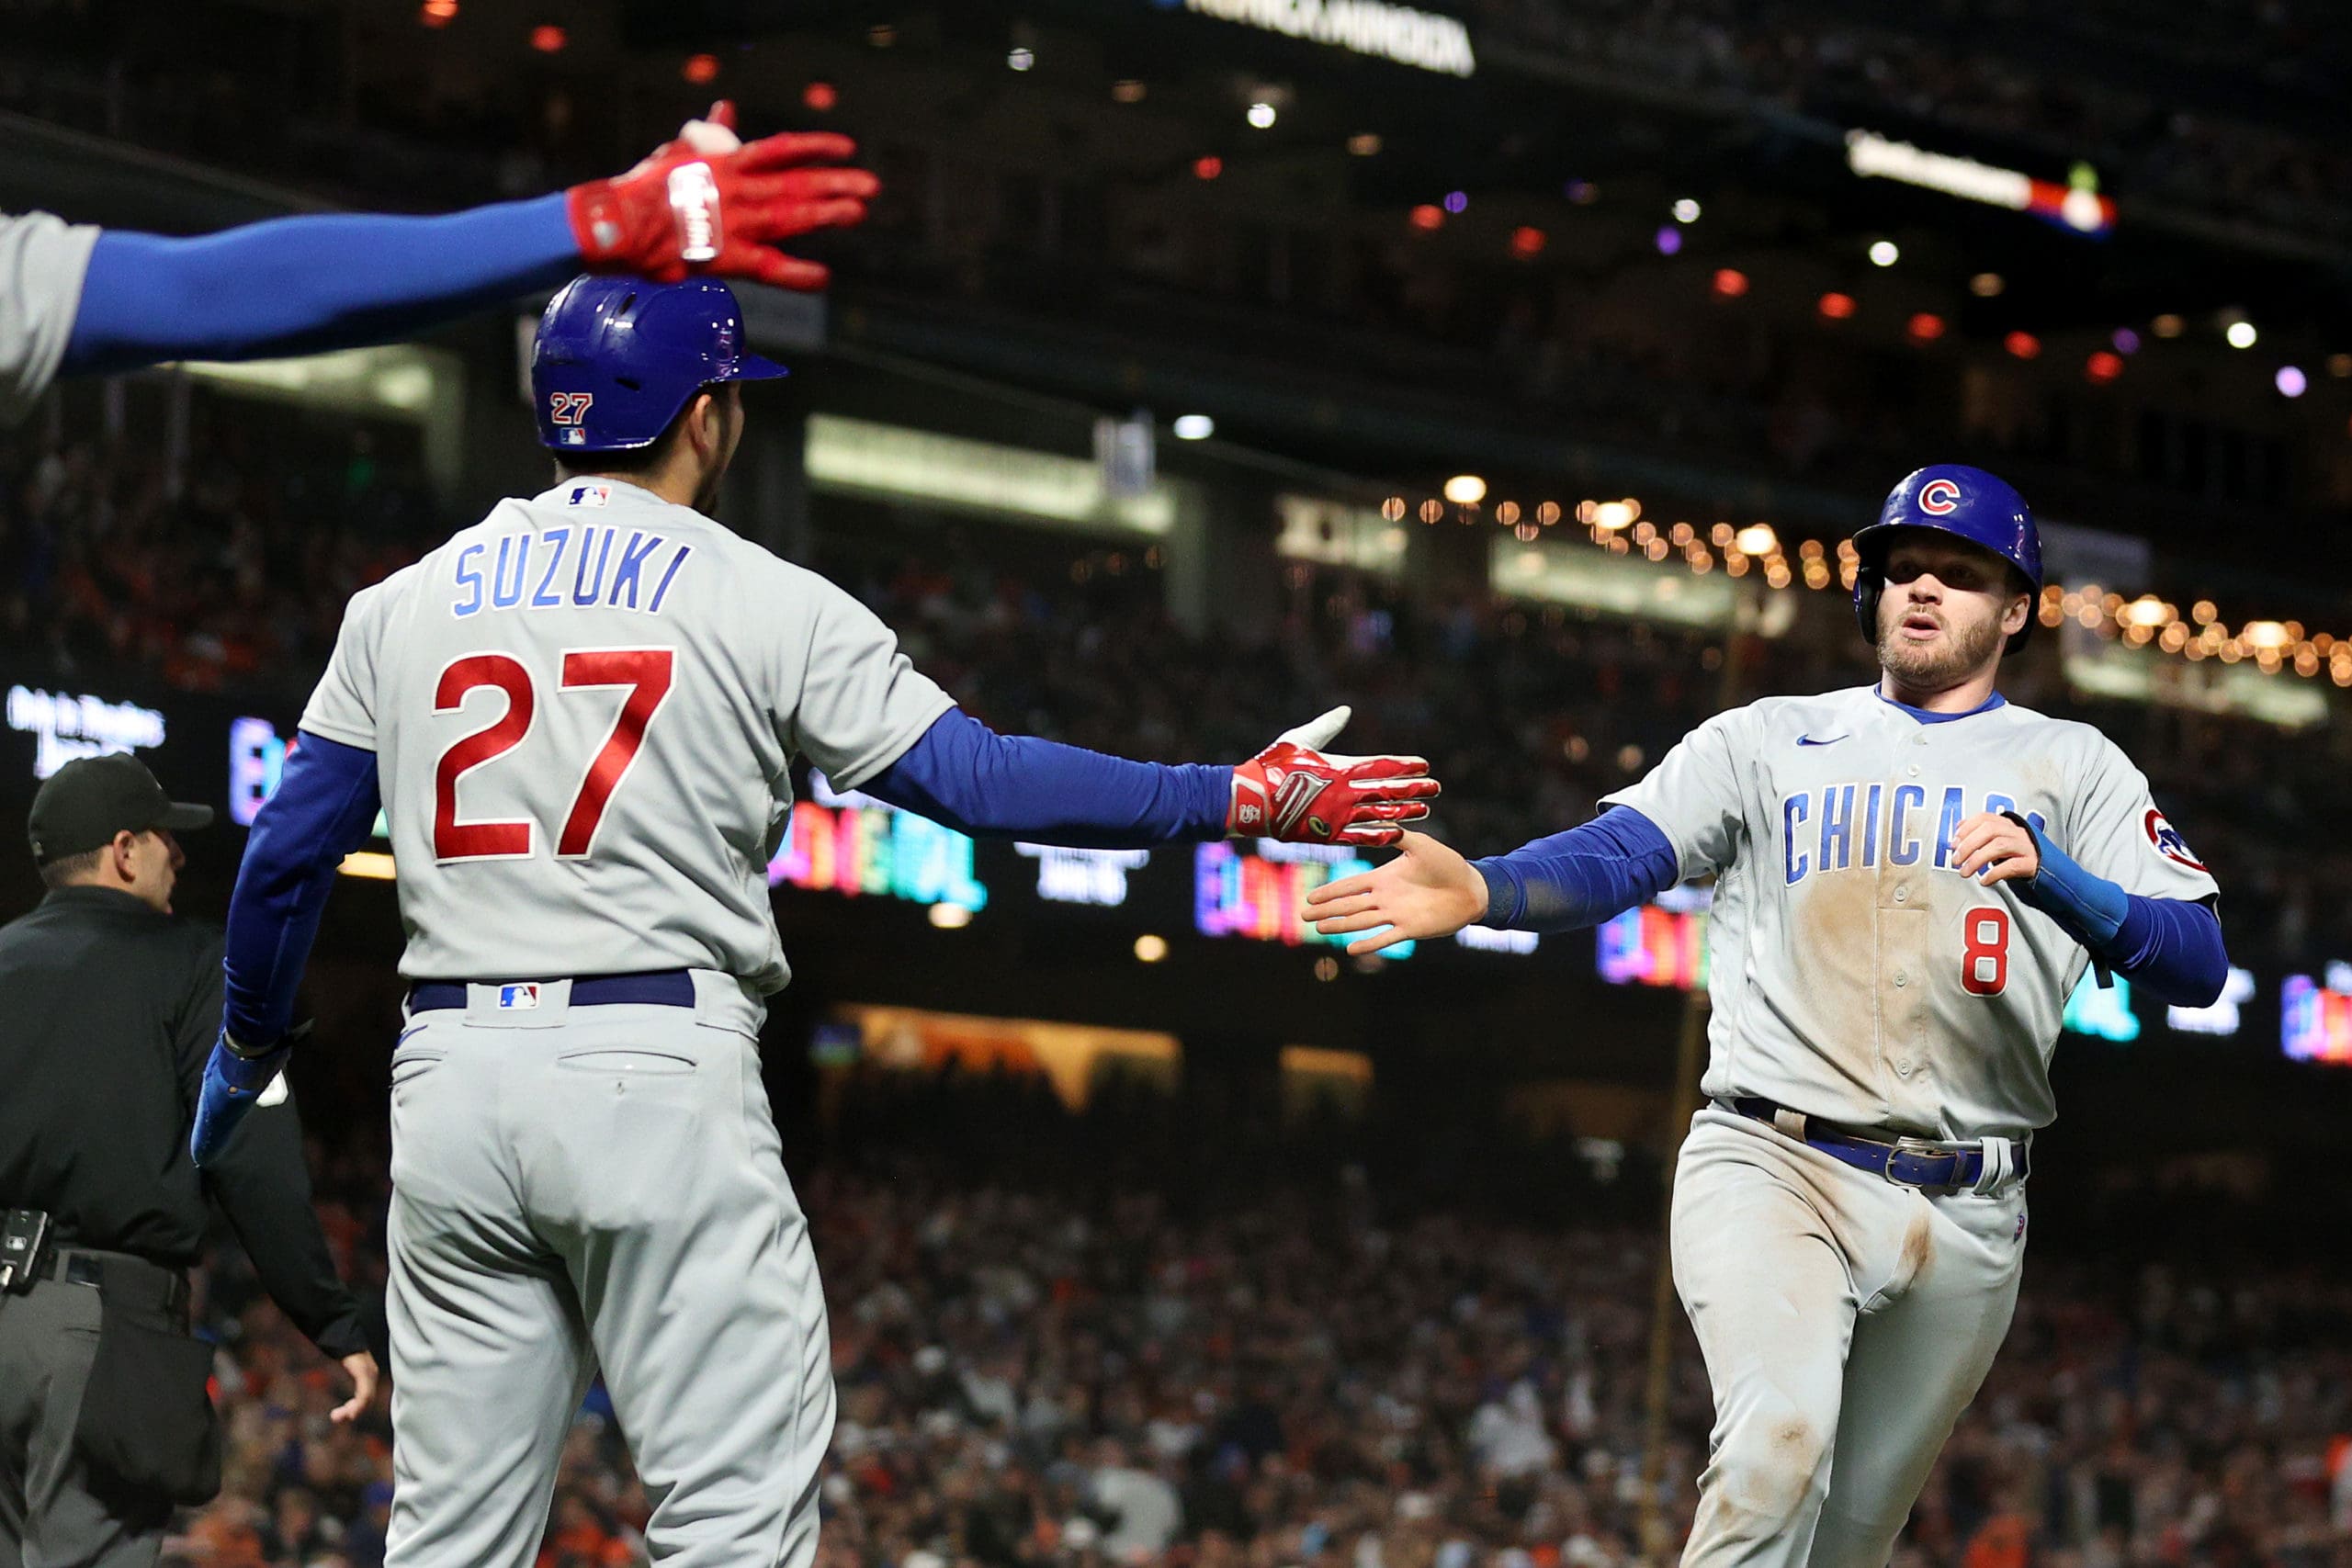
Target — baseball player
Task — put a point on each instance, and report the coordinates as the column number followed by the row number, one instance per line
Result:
column 78, row 299
column 1910, row 879
column 579, row 715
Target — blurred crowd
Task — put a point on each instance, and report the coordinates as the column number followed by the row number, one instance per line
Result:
column 225, row 565
column 1221, row 1364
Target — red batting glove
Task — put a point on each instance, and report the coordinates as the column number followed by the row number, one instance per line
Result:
column 1295, row 791
column 696, row 206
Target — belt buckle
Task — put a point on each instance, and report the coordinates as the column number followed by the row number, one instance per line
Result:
column 1931, row 1148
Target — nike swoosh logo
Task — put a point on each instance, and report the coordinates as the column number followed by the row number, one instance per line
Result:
column 1809, row 741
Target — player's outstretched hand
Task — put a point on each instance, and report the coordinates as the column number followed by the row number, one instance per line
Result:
column 1429, row 890
column 2000, row 847
column 710, row 202
column 1294, row 791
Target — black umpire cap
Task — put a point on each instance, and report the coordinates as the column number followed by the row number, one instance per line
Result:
column 86, row 803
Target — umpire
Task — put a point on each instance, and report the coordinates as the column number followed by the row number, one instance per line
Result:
column 109, row 1008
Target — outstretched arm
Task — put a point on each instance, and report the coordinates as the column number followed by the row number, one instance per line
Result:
column 964, row 774
column 705, row 202
column 1577, row 878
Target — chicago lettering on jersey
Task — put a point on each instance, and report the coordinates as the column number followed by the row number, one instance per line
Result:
column 1846, row 827
column 576, row 566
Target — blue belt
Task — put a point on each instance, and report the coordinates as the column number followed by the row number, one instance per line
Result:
column 1908, row 1162
column 655, row 987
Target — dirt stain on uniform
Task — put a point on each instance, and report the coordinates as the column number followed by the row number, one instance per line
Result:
column 1834, row 944
column 1918, row 1254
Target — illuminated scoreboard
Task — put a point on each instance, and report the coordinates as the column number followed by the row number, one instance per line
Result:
column 847, row 843
column 1259, row 892
column 1662, row 943
column 2315, row 1020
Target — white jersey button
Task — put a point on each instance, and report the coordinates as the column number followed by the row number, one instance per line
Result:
column 1902, row 894
column 1902, row 978
column 1913, row 769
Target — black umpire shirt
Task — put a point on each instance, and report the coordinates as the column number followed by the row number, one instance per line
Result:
column 108, row 1010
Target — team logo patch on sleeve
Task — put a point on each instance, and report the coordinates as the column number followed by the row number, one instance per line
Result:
column 2166, row 840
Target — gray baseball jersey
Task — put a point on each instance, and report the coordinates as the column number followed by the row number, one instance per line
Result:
column 1856, row 976
column 42, row 263
column 583, row 710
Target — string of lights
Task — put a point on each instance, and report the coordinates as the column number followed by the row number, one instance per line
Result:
column 2147, row 621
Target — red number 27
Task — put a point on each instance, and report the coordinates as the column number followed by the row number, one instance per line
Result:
column 644, row 671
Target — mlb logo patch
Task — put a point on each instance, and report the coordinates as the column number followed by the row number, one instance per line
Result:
column 2166, row 840
column 591, row 495
column 519, row 998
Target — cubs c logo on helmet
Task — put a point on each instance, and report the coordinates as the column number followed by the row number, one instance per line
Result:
column 1938, row 498
column 2166, row 840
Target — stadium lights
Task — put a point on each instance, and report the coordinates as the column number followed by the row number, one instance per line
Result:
column 1837, row 307
column 1926, row 327
column 1611, row 515
column 437, row 13
column 2239, row 334
column 1427, row 218
column 700, row 69
column 2103, row 366
column 1669, row 240
column 2076, row 206
column 2167, row 325
column 1527, row 243
column 820, row 97
column 1365, row 144
column 1150, row 948
column 1755, row 539
column 1020, row 58
column 1730, row 282
column 1193, row 427
column 2291, row 381
column 2023, row 344
column 2125, row 340
column 1260, row 115
column 950, row 917
column 1686, row 212
column 1884, row 252
column 548, row 39
column 1457, row 202
column 2339, row 365
column 1987, row 284
column 1207, row 167
column 1465, row 489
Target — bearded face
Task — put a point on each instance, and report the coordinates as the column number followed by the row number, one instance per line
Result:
column 1948, row 608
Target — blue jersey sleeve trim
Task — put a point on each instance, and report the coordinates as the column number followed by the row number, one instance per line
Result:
column 325, row 807
column 302, row 285
column 1580, row 877
column 965, row 775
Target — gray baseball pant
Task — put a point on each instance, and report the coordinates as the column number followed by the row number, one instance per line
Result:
column 1846, row 1324
column 599, row 1187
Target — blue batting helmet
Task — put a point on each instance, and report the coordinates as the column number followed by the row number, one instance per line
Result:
column 617, row 358
column 1951, row 498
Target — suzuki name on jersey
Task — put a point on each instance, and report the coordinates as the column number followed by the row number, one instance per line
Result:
column 1841, row 826
column 575, row 566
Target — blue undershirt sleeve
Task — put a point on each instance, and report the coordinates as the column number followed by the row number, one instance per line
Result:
column 961, row 773
column 305, row 284
column 1580, row 877
column 2170, row 946
column 325, row 807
